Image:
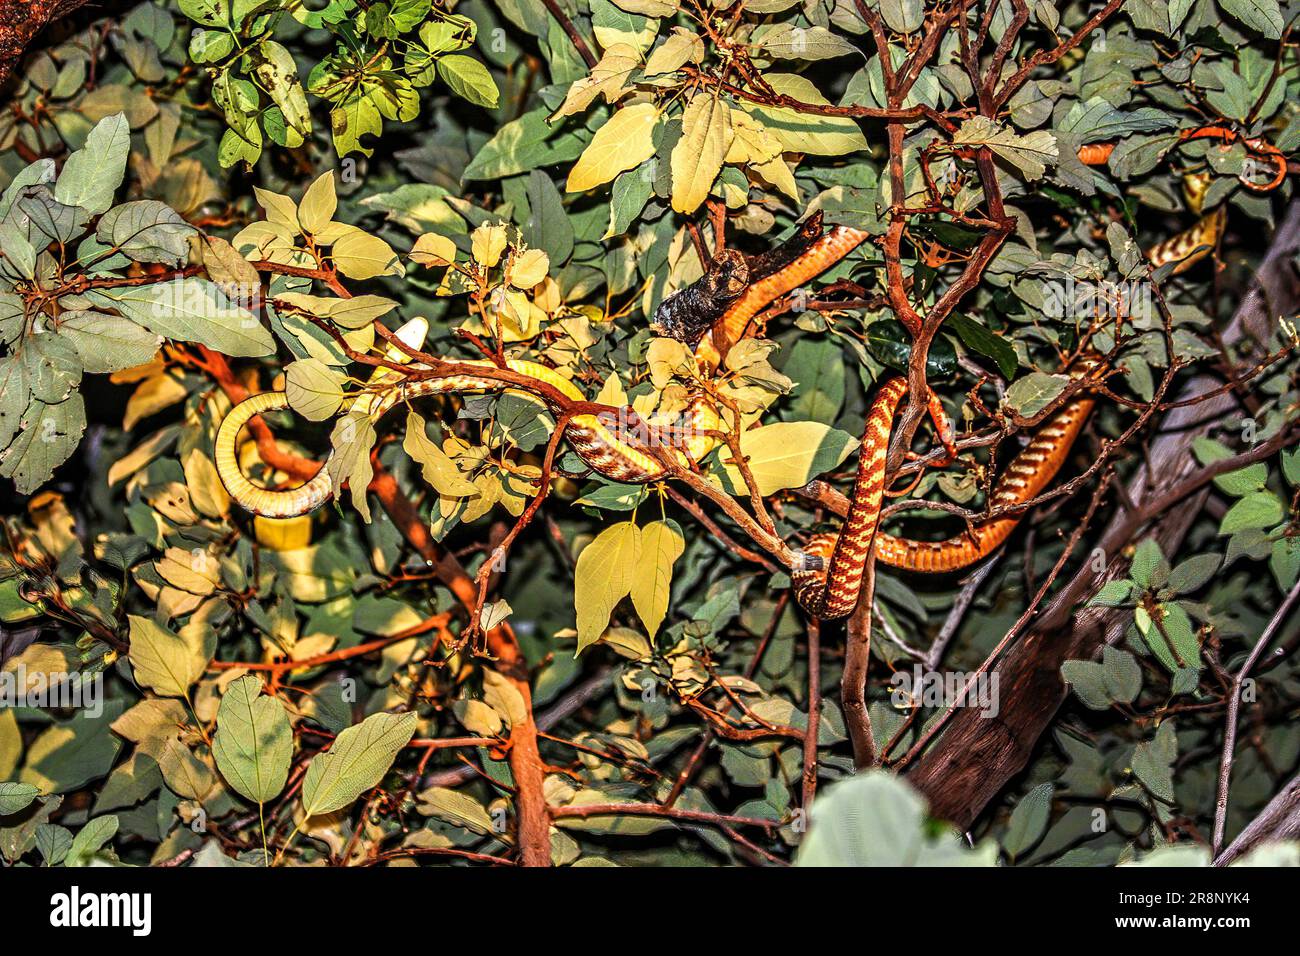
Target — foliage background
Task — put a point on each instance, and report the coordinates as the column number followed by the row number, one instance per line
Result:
column 188, row 184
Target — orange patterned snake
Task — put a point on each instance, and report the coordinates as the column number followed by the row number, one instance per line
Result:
column 827, row 580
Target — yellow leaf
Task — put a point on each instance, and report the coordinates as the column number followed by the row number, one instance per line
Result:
column 207, row 493
column 662, row 543
column 666, row 358
column 680, row 46
column 608, row 77
column 529, row 268
column 624, row 142
column 612, row 393
column 166, row 661
column 697, row 157
column 432, row 249
column 806, row 132
column 283, row 534
column 606, row 571
column 227, row 268
column 318, row 204
column 280, row 211
column 777, row 172
column 487, row 243
column 752, row 143
column 438, row 470
column 787, row 455
column 194, row 571
column 359, row 255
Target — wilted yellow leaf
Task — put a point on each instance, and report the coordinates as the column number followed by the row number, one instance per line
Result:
column 487, row 243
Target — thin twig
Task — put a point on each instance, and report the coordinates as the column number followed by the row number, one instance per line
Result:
column 1230, row 721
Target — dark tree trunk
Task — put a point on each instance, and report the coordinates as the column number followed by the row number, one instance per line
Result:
column 975, row 757
column 20, row 21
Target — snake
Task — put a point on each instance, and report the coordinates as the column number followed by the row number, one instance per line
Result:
column 604, row 442
column 712, row 314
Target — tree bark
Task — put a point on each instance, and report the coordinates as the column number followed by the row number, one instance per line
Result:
column 975, row 757
column 1280, row 820
column 20, row 21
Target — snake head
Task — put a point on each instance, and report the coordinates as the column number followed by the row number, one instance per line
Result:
column 689, row 313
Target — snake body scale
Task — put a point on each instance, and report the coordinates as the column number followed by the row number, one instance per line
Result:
column 713, row 314
column 614, row 452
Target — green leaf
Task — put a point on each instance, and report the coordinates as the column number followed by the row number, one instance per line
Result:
column 1244, row 480
column 1262, row 15
column 605, row 573
column 1123, row 674
column 190, row 309
column 1263, row 509
column 469, row 79
column 548, row 227
column 1031, row 154
column 1088, row 681
column 70, row 754
column 817, row 366
column 50, row 434
column 457, row 808
column 355, row 762
column 524, row 144
column 108, row 343
column 890, row 344
column 876, row 819
column 288, row 123
column 254, row 742
column 90, row 839
column 789, row 42
column 1030, row 394
column 16, row 796
column 1173, row 638
column 147, row 231
column 903, row 16
column 92, row 174
column 1291, row 466
column 1028, row 820
column 1153, row 762
column 1192, row 574
column 1147, row 560
column 210, row 13
column 786, row 455
column 164, row 661
column 1113, row 594
column 979, row 339
column 632, row 190
column 53, row 842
